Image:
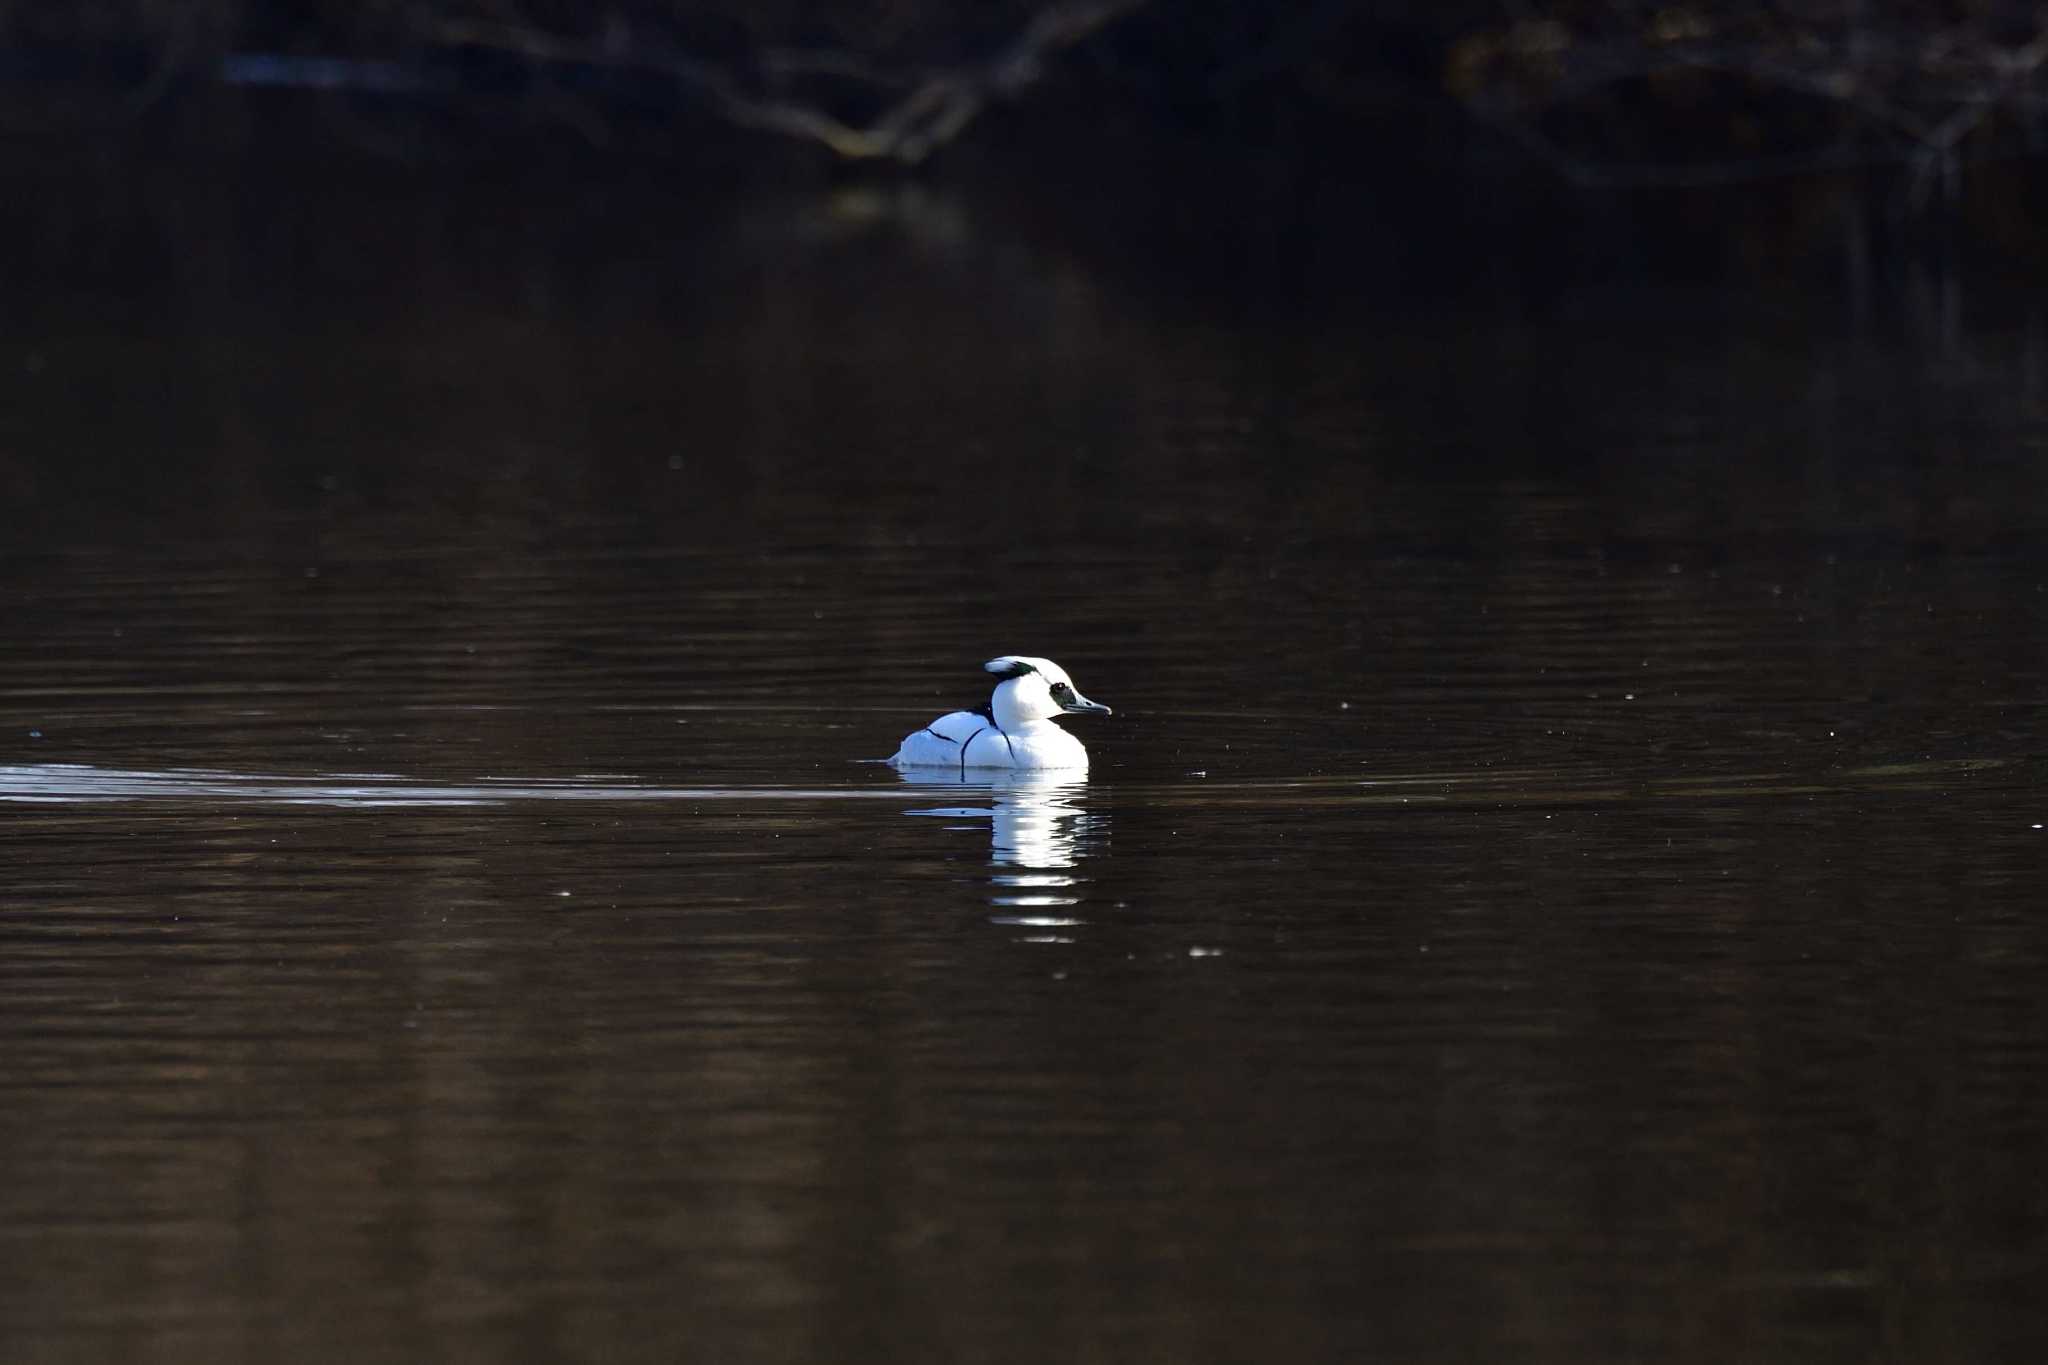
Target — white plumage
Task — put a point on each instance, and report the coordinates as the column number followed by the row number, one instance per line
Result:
column 1015, row 729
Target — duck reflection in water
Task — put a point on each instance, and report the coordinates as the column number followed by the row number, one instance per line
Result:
column 1039, row 829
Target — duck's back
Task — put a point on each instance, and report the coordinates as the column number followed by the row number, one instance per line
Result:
column 938, row 744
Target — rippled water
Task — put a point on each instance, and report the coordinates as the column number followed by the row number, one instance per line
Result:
column 1561, row 881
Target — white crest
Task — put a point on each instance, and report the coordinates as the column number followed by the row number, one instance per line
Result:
column 1017, row 665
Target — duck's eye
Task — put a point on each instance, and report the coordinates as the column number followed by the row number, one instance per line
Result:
column 1062, row 690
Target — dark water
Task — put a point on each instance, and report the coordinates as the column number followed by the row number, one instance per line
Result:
column 1562, row 881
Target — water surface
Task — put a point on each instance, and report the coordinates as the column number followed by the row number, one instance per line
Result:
column 1561, row 882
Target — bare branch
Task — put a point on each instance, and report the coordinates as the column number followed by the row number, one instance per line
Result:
column 936, row 107
column 1918, row 93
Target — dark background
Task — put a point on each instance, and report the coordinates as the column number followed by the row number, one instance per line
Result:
column 291, row 189
column 1768, row 132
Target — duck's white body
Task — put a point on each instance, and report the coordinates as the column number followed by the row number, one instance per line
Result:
column 1015, row 731
column 968, row 739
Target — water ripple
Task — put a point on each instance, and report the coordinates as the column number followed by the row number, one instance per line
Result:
column 59, row 783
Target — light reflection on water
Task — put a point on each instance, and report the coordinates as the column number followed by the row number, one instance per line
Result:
column 84, row 783
column 1038, row 822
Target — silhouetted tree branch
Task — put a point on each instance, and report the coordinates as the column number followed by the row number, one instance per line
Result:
column 1911, row 82
column 930, row 111
column 1602, row 90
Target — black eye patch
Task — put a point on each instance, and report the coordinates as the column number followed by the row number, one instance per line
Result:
column 1062, row 690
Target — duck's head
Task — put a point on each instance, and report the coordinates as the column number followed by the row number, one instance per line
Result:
column 1033, row 690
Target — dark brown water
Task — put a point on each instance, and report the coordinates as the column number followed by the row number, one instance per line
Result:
column 1562, row 882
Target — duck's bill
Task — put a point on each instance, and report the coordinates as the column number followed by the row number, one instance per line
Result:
column 1081, row 706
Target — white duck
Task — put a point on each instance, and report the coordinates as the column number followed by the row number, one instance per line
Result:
column 1015, row 729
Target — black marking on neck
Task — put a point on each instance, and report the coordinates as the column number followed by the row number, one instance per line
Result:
column 963, row 748
column 987, row 711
